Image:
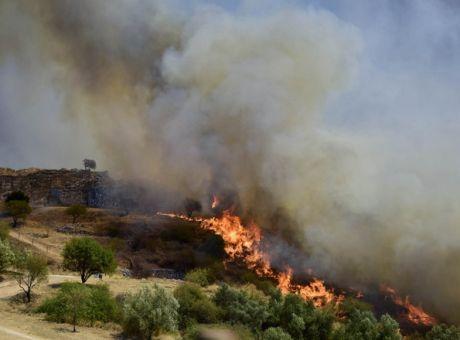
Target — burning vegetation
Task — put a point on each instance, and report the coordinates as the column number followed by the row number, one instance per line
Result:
column 244, row 244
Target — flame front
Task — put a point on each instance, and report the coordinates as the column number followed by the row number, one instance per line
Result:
column 243, row 243
column 415, row 314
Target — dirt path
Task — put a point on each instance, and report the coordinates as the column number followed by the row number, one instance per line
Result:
column 6, row 334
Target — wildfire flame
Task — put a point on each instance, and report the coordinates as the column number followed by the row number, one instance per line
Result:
column 243, row 243
column 415, row 314
column 215, row 201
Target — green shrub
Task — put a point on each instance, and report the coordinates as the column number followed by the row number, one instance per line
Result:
column 17, row 196
column 195, row 306
column 6, row 255
column 276, row 333
column 150, row 311
column 301, row 319
column 364, row 325
column 200, row 276
column 4, row 231
column 240, row 307
column 77, row 303
column 443, row 332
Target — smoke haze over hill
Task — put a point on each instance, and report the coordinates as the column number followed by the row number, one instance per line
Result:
column 342, row 118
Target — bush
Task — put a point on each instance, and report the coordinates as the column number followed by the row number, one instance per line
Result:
column 6, row 255
column 17, row 196
column 195, row 306
column 443, row 332
column 301, row 319
column 4, row 231
column 276, row 333
column 363, row 325
column 150, row 311
column 77, row 303
column 200, row 276
column 240, row 307
column 88, row 257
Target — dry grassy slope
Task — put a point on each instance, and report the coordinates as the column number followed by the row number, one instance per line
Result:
column 39, row 232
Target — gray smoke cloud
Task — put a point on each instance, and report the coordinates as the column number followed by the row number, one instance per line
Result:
column 341, row 119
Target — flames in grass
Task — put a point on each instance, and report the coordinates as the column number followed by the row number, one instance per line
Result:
column 243, row 243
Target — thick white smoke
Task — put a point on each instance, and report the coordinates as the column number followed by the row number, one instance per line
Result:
column 295, row 110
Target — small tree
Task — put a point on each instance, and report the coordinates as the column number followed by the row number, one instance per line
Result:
column 89, row 164
column 17, row 196
column 32, row 269
column 195, row 306
column 88, row 257
column 150, row 311
column 76, row 211
column 6, row 256
column 77, row 302
column 443, row 332
column 242, row 307
column 276, row 333
column 73, row 300
column 18, row 210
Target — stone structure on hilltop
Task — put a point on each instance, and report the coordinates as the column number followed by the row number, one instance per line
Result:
column 58, row 187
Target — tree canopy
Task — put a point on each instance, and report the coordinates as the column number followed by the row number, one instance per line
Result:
column 18, row 210
column 76, row 211
column 88, row 257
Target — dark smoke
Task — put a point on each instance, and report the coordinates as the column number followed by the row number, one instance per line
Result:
column 335, row 127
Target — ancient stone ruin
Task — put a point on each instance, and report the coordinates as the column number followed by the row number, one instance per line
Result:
column 58, row 187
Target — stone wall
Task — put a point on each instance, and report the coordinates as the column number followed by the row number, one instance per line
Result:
column 58, row 187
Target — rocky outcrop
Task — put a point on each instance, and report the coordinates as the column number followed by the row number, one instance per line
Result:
column 58, row 187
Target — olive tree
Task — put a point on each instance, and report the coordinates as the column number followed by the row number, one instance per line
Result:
column 150, row 311
column 86, row 256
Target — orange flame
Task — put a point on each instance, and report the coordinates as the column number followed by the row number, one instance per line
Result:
column 243, row 243
column 215, row 201
column 415, row 314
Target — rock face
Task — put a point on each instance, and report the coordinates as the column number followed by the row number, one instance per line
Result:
column 58, row 187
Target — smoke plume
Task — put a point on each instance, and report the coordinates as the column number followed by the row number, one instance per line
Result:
column 335, row 125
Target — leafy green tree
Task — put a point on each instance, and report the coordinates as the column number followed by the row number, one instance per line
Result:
column 302, row 320
column 76, row 302
column 88, row 257
column 276, row 333
column 195, row 306
column 443, row 332
column 31, row 270
column 388, row 328
column 16, row 196
column 150, row 311
column 362, row 325
column 18, row 210
column 76, row 211
column 6, row 255
column 200, row 276
column 241, row 307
